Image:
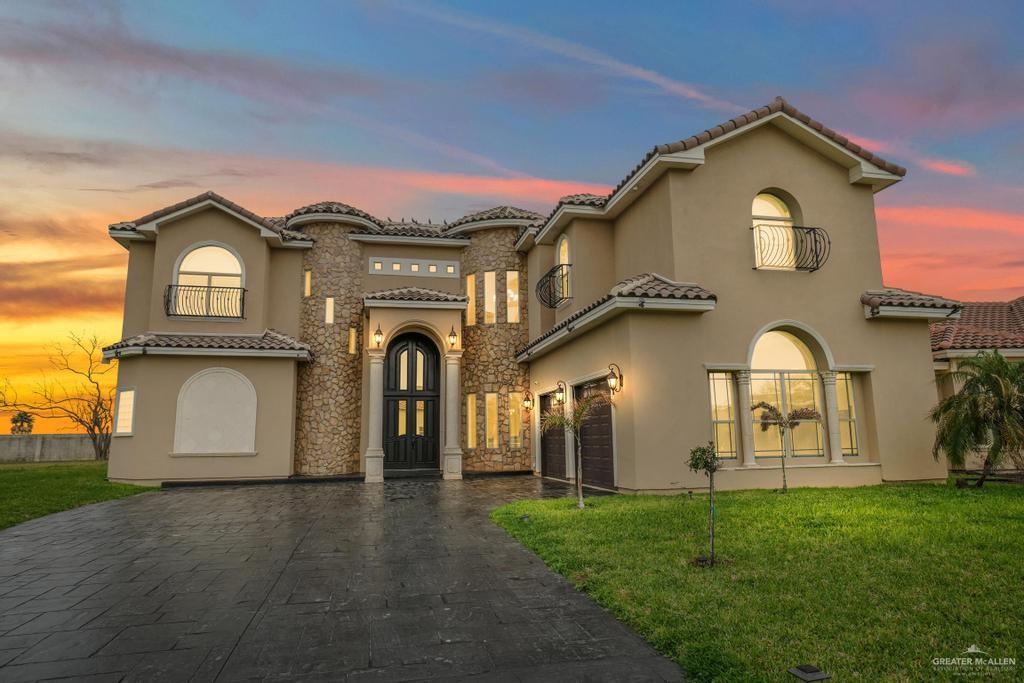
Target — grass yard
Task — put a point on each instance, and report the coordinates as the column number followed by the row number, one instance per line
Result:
column 868, row 583
column 32, row 490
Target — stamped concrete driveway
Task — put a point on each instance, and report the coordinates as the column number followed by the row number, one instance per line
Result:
column 408, row 580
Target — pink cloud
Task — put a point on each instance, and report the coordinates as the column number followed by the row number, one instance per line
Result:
column 952, row 218
column 955, row 168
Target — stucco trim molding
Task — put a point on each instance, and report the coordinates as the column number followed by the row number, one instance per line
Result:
column 604, row 312
column 331, row 218
column 174, row 351
column 491, row 223
column 911, row 312
column 389, row 303
column 946, row 354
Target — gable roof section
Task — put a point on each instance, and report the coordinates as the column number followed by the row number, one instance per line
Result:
column 414, row 297
column 145, row 227
column 269, row 343
column 982, row 325
column 646, row 291
column 865, row 166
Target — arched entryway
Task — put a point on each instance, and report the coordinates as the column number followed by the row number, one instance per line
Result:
column 412, row 389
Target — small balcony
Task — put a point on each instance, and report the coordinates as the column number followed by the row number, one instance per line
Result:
column 790, row 247
column 197, row 301
column 553, row 287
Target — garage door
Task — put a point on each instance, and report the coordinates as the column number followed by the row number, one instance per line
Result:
column 552, row 445
column 598, row 461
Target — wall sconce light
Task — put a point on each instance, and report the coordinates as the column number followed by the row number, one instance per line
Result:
column 560, row 392
column 453, row 338
column 614, row 378
column 378, row 336
column 527, row 400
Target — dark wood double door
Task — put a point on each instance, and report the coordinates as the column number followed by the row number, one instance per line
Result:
column 597, row 438
column 411, row 395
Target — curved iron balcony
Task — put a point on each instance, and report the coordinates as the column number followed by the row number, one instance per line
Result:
column 790, row 247
column 197, row 301
column 553, row 287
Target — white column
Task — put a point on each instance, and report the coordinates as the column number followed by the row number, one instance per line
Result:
column 452, row 411
column 374, row 457
column 746, row 419
column 835, row 443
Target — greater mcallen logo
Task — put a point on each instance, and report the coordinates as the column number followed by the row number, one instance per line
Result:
column 974, row 661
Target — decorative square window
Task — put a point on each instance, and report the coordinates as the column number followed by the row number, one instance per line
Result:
column 449, row 269
column 415, row 267
column 125, row 421
column 378, row 265
column 432, row 268
column 396, row 266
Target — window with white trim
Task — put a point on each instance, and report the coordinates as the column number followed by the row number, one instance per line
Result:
column 723, row 413
column 783, row 374
column 125, row 422
column 847, row 413
column 208, row 283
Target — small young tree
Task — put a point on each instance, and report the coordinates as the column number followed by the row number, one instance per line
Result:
column 705, row 459
column 986, row 415
column 573, row 422
column 21, row 423
column 773, row 417
column 86, row 402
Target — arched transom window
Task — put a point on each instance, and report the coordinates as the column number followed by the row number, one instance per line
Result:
column 208, row 283
column 564, row 276
column 774, row 237
column 784, row 374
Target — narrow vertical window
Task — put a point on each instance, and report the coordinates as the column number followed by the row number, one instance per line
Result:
column 491, row 419
column 403, row 418
column 307, row 282
column 352, row 340
column 512, row 296
column 471, row 295
column 490, row 300
column 723, row 413
column 125, row 412
column 515, row 419
column 421, row 418
column 847, row 413
column 470, row 420
column 420, row 362
column 403, row 370
column 329, row 310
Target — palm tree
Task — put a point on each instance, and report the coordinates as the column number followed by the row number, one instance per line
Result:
column 573, row 422
column 22, row 423
column 773, row 417
column 986, row 414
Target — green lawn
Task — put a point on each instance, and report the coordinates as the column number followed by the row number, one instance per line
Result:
column 868, row 583
column 32, row 490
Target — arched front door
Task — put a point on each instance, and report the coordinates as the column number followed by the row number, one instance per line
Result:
column 411, row 391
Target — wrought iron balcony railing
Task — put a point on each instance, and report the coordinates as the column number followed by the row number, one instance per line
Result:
column 790, row 247
column 553, row 288
column 196, row 301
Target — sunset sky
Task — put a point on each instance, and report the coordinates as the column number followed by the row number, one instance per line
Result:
column 109, row 111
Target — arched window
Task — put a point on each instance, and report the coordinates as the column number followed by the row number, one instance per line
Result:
column 564, row 279
column 774, row 237
column 216, row 414
column 783, row 373
column 208, row 283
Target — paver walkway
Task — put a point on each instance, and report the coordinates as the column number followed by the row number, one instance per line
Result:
column 408, row 580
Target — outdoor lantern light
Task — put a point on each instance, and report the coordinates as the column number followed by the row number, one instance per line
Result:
column 452, row 337
column 527, row 400
column 614, row 378
column 560, row 392
column 378, row 336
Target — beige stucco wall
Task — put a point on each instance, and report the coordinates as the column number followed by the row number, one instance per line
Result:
column 146, row 456
column 138, row 288
column 592, row 254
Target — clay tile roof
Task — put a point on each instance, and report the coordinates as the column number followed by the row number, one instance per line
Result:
column 276, row 224
column 775, row 106
column 982, row 325
column 269, row 340
column 413, row 294
column 334, row 208
column 497, row 213
column 409, row 229
column 645, row 285
column 654, row 286
column 891, row 296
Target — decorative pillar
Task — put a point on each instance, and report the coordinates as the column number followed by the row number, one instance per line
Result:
column 835, row 443
column 374, row 456
column 452, row 411
column 746, row 419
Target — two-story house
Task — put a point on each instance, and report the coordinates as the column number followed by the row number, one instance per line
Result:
column 730, row 269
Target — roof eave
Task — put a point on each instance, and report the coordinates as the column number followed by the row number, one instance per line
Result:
column 473, row 226
column 911, row 312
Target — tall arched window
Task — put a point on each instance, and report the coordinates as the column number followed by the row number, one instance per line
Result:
column 784, row 374
column 208, row 283
column 774, row 237
column 564, row 279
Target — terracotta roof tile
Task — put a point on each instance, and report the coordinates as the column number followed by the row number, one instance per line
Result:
column 333, row 208
column 497, row 213
column 269, row 340
column 982, row 325
column 891, row 296
column 413, row 294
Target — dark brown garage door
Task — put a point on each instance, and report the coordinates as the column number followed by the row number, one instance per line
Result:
column 598, row 462
column 552, row 445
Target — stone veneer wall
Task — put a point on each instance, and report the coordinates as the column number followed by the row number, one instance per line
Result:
column 488, row 362
column 329, row 392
